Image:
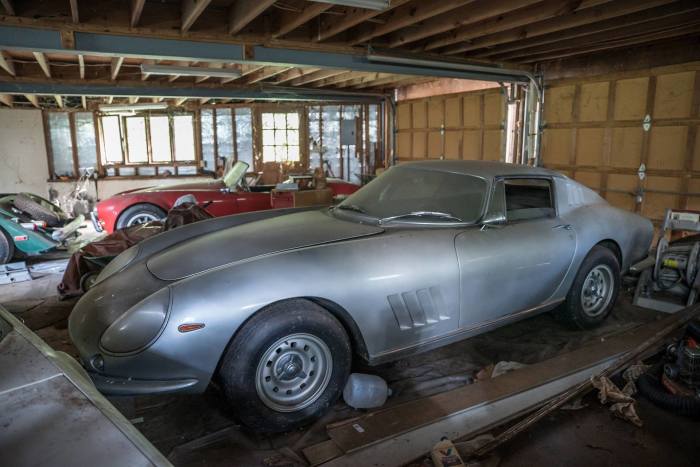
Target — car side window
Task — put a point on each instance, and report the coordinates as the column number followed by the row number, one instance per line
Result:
column 528, row 198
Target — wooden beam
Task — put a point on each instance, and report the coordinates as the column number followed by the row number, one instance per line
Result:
column 75, row 15
column 115, row 67
column 293, row 74
column 136, row 10
column 133, row 99
column 679, row 8
column 342, row 78
column 83, row 101
column 81, row 65
column 110, row 99
column 6, row 63
column 180, row 101
column 9, row 7
column 453, row 19
column 7, row 99
column 316, row 76
column 59, row 101
column 410, row 14
column 41, row 60
column 352, row 17
column 245, row 71
column 242, row 12
column 191, row 10
column 289, row 20
column 201, row 79
column 266, row 73
column 588, row 16
column 514, row 19
column 33, row 99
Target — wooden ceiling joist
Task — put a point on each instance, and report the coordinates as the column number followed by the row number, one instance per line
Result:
column 6, row 63
column 191, row 10
column 33, row 99
column 265, row 73
column 316, row 76
column 75, row 15
column 115, row 66
column 293, row 74
column 43, row 63
column 7, row 99
column 83, row 102
column 514, row 19
column 81, row 66
column 352, row 18
column 9, row 7
column 243, row 12
column 341, row 78
column 59, row 101
column 133, row 99
column 290, row 20
column 408, row 15
column 136, row 10
column 201, row 79
column 579, row 18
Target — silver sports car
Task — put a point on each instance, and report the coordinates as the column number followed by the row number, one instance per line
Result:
column 276, row 304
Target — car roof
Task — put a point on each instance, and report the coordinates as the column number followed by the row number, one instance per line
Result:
column 485, row 169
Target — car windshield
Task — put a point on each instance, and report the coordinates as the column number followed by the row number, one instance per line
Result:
column 235, row 174
column 414, row 194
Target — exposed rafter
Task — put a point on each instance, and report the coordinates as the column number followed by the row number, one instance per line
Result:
column 316, row 76
column 408, row 15
column 9, row 7
column 115, row 67
column 33, row 99
column 136, row 10
column 265, row 73
column 180, row 101
column 59, row 101
column 289, row 21
column 83, row 102
column 81, row 66
column 7, row 99
column 191, row 10
column 74, row 13
column 133, row 99
column 201, row 79
column 43, row 63
column 353, row 17
column 6, row 63
column 242, row 12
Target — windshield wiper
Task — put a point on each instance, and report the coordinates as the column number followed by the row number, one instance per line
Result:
column 434, row 214
column 352, row 207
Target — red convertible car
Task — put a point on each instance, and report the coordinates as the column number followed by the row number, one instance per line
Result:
column 231, row 194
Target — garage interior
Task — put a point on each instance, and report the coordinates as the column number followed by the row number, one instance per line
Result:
column 102, row 98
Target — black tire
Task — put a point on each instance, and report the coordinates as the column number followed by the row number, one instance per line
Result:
column 139, row 210
column 38, row 209
column 247, row 353
column 572, row 311
column 7, row 248
column 88, row 280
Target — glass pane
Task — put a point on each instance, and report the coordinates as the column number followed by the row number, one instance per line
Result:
column 268, row 137
column 280, row 120
column 224, row 133
column 280, row 153
column 293, row 120
column 293, row 153
column 207, row 128
column 160, row 138
column 184, row 137
column 268, row 121
column 136, row 139
column 112, row 140
column 293, row 137
column 331, row 139
column 280, row 137
column 244, row 136
column 187, row 170
column 268, row 153
column 147, row 171
column 87, row 145
column 61, row 144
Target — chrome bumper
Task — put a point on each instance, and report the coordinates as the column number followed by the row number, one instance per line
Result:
column 96, row 221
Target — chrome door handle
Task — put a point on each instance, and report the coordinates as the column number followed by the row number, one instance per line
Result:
column 562, row 226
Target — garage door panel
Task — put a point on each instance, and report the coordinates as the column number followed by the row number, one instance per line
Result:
column 492, row 145
column 493, row 109
column 419, row 149
column 589, row 146
column 593, row 105
column 621, row 200
column 674, row 95
column 631, row 98
column 667, row 147
column 696, row 151
column 560, row 104
column 472, row 110
column 435, row 113
column 655, row 204
column 556, row 146
column 452, row 144
column 403, row 145
column 434, row 145
column 471, row 145
column 624, row 182
column 403, row 116
column 590, row 179
column 626, row 147
column 420, row 114
column 453, row 107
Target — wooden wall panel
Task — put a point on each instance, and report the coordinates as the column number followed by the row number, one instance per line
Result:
column 492, row 145
column 403, row 117
column 434, row 145
column 472, row 110
column 594, row 130
column 418, row 148
column 471, row 145
column 436, row 113
column 453, row 140
column 453, row 112
column 420, row 114
column 493, row 109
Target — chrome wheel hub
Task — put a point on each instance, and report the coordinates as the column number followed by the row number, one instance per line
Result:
column 597, row 290
column 293, row 372
column 141, row 218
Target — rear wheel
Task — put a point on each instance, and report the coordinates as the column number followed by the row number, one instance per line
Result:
column 594, row 291
column 286, row 366
column 38, row 208
column 139, row 214
column 7, row 248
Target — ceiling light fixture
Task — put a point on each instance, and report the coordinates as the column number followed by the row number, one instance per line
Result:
column 171, row 70
column 366, row 4
column 133, row 107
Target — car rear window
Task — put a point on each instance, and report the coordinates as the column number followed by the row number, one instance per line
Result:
column 528, row 199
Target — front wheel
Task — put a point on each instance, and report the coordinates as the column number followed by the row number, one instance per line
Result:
column 140, row 214
column 594, row 291
column 286, row 366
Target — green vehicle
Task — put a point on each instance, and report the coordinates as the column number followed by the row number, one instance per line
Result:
column 31, row 225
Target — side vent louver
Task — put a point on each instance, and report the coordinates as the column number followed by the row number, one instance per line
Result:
column 418, row 308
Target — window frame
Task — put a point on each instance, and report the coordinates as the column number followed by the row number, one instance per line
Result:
column 552, row 195
column 286, row 129
column 73, row 134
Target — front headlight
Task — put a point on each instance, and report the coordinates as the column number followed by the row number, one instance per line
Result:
column 139, row 326
column 117, row 264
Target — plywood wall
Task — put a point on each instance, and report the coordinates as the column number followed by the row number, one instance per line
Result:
column 593, row 133
column 458, row 126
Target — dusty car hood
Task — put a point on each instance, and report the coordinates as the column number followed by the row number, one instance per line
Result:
column 255, row 239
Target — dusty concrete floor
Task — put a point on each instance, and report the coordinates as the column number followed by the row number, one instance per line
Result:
column 200, row 430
